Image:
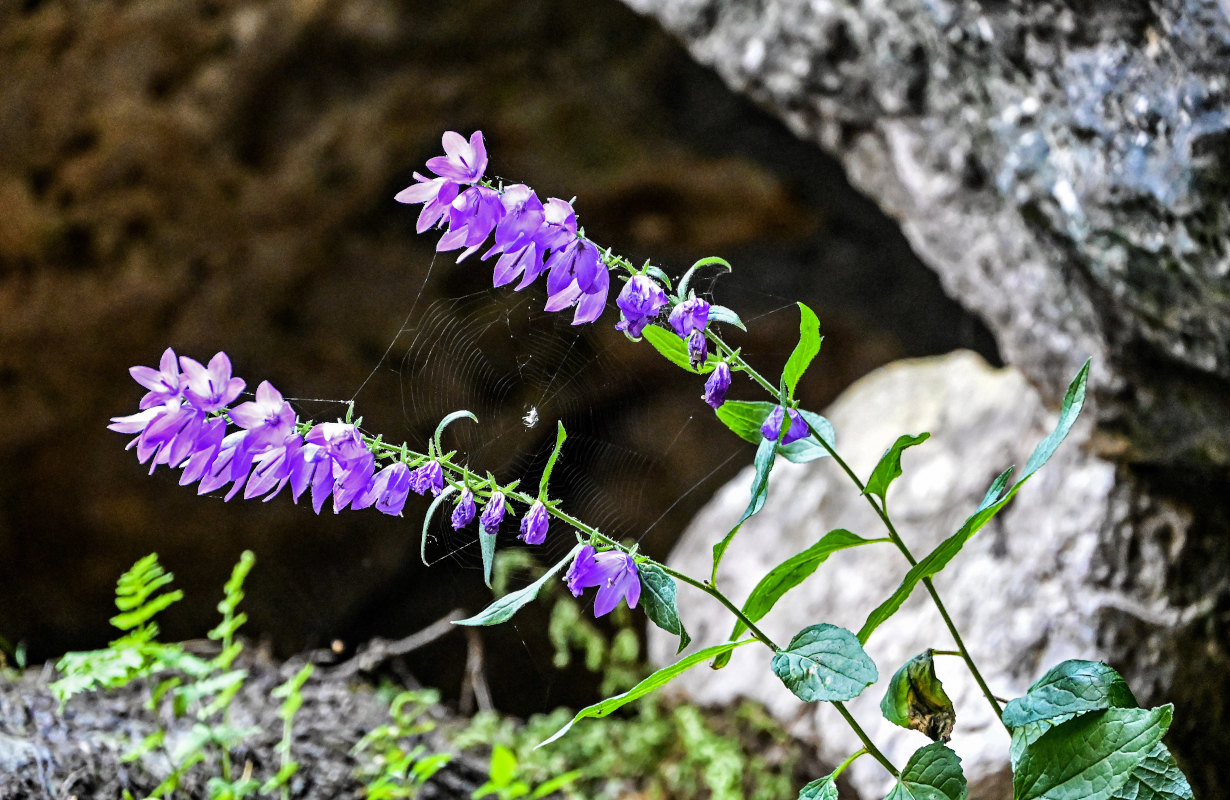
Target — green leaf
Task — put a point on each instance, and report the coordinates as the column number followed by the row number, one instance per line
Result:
column 823, row 789
column 889, row 467
column 560, row 436
column 916, row 699
column 759, row 493
column 994, row 501
column 1071, row 687
column 824, row 662
column 724, row 314
column 504, row 608
column 806, row 350
column 1073, row 402
column 1158, row 777
column 932, row 773
column 428, row 517
column 654, row 681
column 138, row 616
column 745, row 418
column 503, row 765
column 660, row 603
column 486, row 546
column 675, row 349
column 789, row 574
column 444, row 423
column 1090, row 757
column 658, row 275
column 686, row 280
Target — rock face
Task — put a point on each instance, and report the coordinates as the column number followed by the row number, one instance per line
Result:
column 1033, row 588
column 1060, row 165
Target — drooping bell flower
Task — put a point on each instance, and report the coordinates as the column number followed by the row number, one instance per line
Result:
column 436, row 195
column 639, row 302
column 429, row 477
column 690, row 315
column 471, row 218
column 463, row 513
column 534, row 524
column 772, row 426
column 493, row 513
column 387, row 490
column 613, row 572
column 716, row 385
column 698, row 348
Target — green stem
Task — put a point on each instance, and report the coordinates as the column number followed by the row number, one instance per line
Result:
column 882, row 513
column 867, row 743
column 849, row 760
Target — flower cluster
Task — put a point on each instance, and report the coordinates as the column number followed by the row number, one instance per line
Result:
column 613, row 572
column 184, row 419
column 531, row 237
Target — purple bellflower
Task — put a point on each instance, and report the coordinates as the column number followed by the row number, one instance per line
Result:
column 534, row 524
column 772, row 426
column 639, row 303
column 163, row 383
column 716, row 386
column 613, row 572
column 698, row 348
column 436, row 195
column 690, row 315
column 388, row 490
column 209, row 388
column 464, row 162
column 471, row 219
column 463, row 513
column 430, row 476
column 493, row 513
column 577, row 277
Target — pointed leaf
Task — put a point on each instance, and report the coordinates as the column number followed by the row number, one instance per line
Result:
column 1071, row 687
column 660, row 603
column 486, row 546
column 724, row 314
column 991, row 505
column 686, row 281
column 654, row 681
column 932, row 773
column 745, row 418
column 503, row 609
column 806, row 350
column 889, row 467
column 1090, row 757
column 759, row 492
column 560, row 436
column 916, row 699
column 428, row 517
column 793, row 571
column 826, row 663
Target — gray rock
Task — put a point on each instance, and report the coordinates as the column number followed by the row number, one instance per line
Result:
column 1037, row 585
column 1061, row 167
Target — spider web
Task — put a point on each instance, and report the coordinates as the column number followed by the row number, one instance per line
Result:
column 520, row 370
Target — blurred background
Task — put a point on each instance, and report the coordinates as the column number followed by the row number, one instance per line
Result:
column 212, row 175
